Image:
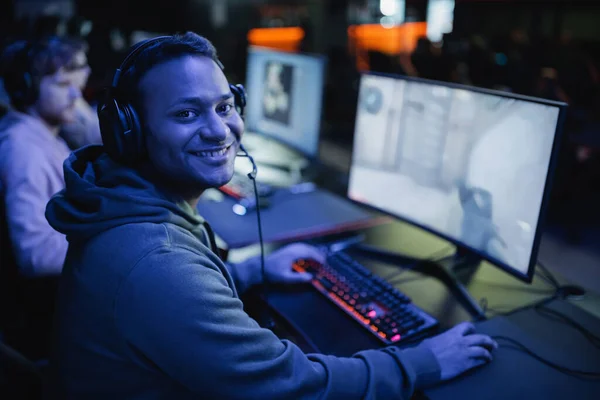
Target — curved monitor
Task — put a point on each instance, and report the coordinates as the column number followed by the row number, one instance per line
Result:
column 470, row 165
column 284, row 95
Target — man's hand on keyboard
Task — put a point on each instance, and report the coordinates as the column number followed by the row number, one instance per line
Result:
column 278, row 265
column 460, row 349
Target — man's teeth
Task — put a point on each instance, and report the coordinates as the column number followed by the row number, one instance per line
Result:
column 212, row 153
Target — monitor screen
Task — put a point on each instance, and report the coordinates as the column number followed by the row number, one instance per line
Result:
column 468, row 165
column 284, row 95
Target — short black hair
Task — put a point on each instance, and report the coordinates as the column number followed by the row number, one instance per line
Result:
column 25, row 62
column 159, row 52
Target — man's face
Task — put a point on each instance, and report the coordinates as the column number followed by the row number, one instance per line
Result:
column 57, row 95
column 193, row 130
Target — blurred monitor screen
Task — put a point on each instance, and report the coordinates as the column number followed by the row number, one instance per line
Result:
column 284, row 95
column 468, row 165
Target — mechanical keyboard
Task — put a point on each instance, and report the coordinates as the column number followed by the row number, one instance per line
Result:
column 241, row 187
column 376, row 305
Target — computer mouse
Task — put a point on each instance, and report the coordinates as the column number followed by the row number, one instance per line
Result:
column 571, row 292
column 246, row 205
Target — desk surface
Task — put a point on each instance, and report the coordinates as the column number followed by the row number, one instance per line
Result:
column 513, row 374
column 332, row 332
column 291, row 217
column 501, row 291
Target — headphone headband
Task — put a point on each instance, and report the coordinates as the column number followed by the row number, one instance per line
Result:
column 138, row 48
column 25, row 78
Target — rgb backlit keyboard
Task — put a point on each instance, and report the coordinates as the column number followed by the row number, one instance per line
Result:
column 371, row 301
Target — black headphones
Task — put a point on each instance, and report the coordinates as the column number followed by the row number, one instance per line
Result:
column 23, row 85
column 120, row 125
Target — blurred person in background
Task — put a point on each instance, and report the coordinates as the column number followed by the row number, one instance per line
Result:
column 577, row 75
column 479, row 62
column 43, row 88
column 84, row 129
column 548, row 86
column 432, row 62
column 520, row 67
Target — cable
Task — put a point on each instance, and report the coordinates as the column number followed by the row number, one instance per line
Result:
column 265, row 281
column 546, row 279
column 435, row 256
column 507, row 309
column 547, row 275
column 260, row 237
column 543, row 272
column 560, row 368
column 252, row 177
column 547, row 312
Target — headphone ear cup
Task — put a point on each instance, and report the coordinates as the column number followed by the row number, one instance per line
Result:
column 108, row 117
column 26, row 93
column 121, row 131
column 239, row 97
column 133, row 137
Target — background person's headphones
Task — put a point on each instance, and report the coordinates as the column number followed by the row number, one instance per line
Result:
column 120, row 125
column 20, row 82
column 26, row 90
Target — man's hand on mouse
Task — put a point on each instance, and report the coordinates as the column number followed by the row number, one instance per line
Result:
column 460, row 349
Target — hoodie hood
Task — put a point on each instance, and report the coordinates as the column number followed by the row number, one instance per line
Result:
column 101, row 194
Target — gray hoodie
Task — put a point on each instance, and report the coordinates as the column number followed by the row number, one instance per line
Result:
column 148, row 311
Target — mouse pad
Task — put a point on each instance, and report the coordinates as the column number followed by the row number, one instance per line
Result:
column 514, row 374
column 289, row 217
column 331, row 331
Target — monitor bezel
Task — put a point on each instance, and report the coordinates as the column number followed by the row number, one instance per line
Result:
column 323, row 60
column 558, row 137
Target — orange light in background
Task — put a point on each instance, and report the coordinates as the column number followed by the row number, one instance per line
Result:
column 396, row 40
column 286, row 39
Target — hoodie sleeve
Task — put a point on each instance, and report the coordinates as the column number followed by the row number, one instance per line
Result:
column 38, row 248
column 245, row 274
column 177, row 310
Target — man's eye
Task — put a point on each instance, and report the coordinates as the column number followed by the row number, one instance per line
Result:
column 186, row 114
column 225, row 108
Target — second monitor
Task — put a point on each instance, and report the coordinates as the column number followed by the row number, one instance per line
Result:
column 284, row 94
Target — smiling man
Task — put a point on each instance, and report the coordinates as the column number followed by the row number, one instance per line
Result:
column 147, row 309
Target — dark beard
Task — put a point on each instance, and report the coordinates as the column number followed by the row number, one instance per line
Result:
column 52, row 120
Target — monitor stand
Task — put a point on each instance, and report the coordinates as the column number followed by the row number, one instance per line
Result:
column 452, row 271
